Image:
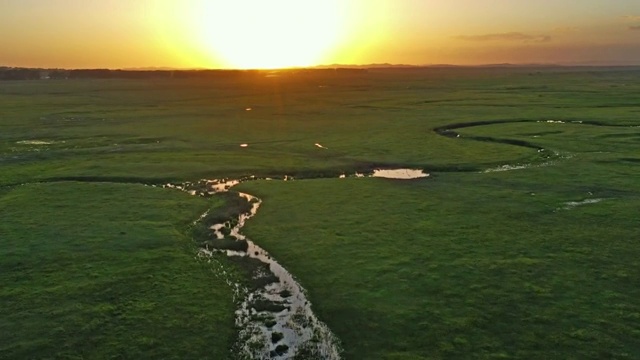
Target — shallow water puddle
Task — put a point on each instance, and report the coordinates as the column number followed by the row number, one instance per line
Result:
column 404, row 174
column 555, row 157
column 35, row 142
column 508, row 168
column 572, row 204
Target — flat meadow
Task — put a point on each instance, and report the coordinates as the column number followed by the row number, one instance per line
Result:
column 522, row 242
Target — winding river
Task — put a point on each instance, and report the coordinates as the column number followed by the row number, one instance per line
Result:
column 276, row 320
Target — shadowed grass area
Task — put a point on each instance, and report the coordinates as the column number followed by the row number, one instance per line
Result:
column 105, row 270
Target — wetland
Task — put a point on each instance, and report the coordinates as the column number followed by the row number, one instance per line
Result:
column 512, row 236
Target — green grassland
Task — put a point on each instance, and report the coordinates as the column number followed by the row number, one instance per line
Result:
column 462, row 265
column 539, row 262
column 183, row 129
column 99, row 270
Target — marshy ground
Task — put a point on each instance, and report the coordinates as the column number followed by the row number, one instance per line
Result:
column 520, row 244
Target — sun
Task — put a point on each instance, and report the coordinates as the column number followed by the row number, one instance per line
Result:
column 261, row 34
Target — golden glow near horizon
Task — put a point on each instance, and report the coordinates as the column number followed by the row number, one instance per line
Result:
column 266, row 34
column 288, row 33
column 269, row 34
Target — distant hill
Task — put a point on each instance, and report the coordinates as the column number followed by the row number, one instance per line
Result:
column 496, row 65
column 365, row 66
column 161, row 68
column 407, row 66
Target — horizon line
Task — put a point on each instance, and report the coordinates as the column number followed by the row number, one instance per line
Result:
column 338, row 66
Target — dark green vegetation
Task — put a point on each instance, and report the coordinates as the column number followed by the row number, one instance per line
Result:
column 105, row 270
column 465, row 264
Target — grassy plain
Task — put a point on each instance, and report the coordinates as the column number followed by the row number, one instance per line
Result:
column 464, row 264
column 100, row 270
column 185, row 129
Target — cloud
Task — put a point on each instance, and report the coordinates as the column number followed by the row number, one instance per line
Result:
column 509, row 36
column 631, row 18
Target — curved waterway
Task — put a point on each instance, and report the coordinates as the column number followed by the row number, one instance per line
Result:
column 275, row 318
column 547, row 157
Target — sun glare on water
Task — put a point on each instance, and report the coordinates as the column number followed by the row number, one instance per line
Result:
column 268, row 34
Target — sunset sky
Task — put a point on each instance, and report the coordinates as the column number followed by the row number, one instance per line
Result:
column 282, row 33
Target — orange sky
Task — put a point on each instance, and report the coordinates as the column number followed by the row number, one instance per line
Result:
column 277, row 33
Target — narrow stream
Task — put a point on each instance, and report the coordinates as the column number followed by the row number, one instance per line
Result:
column 275, row 320
column 546, row 157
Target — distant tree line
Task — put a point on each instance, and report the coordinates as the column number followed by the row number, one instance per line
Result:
column 7, row 73
column 12, row 73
